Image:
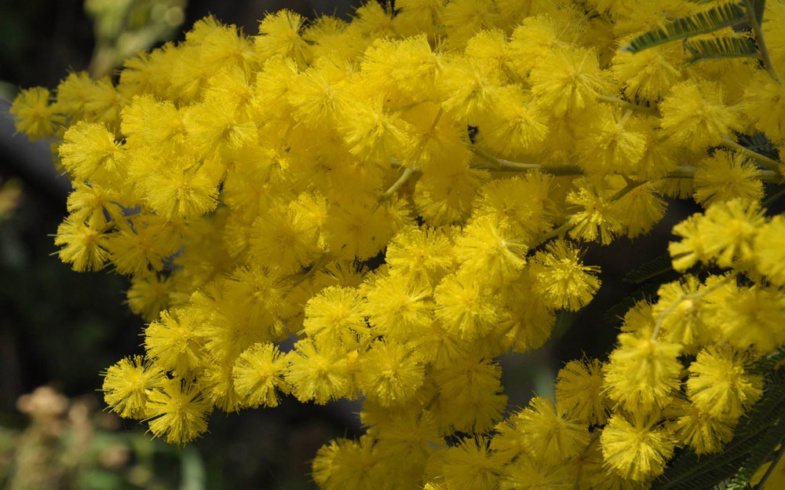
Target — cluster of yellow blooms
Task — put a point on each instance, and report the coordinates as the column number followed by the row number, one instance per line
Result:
column 251, row 186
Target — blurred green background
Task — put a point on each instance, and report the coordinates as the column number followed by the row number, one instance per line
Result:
column 59, row 329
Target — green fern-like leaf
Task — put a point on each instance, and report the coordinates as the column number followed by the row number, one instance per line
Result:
column 767, row 363
column 719, row 48
column 724, row 15
column 760, row 454
column 659, row 265
column 766, row 411
column 689, row 471
column 760, row 143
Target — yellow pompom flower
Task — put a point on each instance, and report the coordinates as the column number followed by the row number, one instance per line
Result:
column 316, row 97
column 257, row 294
column 128, row 384
column 83, row 245
column 92, row 203
column 182, row 189
column 178, row 411
column 89, row 152
column 568, row 81
column 470, row 465
column 490, row 45
column 636, row 446
column 469, row 87
column 224, row 50
column 597, row 219
column 465, row 306
column 137, row 250
column 611, row 142
column 445, row 197
column 158, row 124
column 748, row 317
column 643, row 374
column 773, row 33
column 34, row 115
column 284, row 237
column 335, row 317
column 149, row 294
column 681, row 318
column 695, row 115
column 579, row 392
column 390, row 374
column 769, row 251
column 696, row 428
column 764, row 103
column 522, row 203
column 692, row 247
column 413, row 433
column 469, row 394
column 463, row 18
column 719, row 384
column 539, row 35
column 530, row 320
column 173, row 343
column 279, row 33
column 258, row 373
column 73, row 93
column 548, row 435
column 104, row 104
column 514, row 125
column 313, row 375
column 361, row 228
column 724, row 176
column 649, row 74
column 729, row 230
column 486, row 246
column 216, row 125
column 398, row 308
column 643, row 209
column 423, row 255
column 343, row 464
column 373, row 133
column 527, row 473
column 562, row 278
column 403, row 71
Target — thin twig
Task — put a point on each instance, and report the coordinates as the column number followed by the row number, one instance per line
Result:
column 652, row 111
column 685, row 297
column 758, row 33
column 560, row 231
column 769, row 163
column 407, row 173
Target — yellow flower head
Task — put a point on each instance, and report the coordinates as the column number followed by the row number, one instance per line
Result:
column 178, row 411
column 643, row 374
column 562, row 278
column 128, row 385
column 695, row 115
column 579, row 391
column 636, row 446
column 258, row 375
column 33, row 114
column 719, row 384
column 548, row 435
column 724, row 176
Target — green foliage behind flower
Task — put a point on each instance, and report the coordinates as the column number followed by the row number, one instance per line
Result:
column 409, row 196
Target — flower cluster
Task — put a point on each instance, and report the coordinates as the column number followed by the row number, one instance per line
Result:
column 359, row 186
